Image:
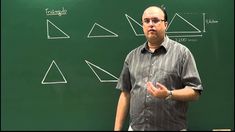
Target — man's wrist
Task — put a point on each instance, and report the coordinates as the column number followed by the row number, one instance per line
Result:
column 169, row 96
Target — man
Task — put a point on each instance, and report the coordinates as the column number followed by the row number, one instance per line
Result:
column 158, row 80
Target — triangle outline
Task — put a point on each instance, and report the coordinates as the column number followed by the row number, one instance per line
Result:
column 129, row 19
column 93, row 65
column 94, row 36
column 187, row 22
column 48, row 32
column 53, row 82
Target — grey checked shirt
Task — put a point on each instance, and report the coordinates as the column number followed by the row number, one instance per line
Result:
column 172, row 65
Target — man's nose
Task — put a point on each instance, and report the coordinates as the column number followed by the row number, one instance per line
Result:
column 151, row 23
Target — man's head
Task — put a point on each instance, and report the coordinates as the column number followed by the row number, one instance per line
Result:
column 154, row 21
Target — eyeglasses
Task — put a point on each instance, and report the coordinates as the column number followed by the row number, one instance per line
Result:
column 154, row 20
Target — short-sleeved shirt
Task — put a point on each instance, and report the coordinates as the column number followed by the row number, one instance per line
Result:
column 172, row 65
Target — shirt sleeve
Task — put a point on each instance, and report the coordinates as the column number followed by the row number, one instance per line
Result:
column 124, row 82
column 190, row 75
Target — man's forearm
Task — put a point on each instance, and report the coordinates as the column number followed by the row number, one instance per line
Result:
column 122, row 109
column 185, row 94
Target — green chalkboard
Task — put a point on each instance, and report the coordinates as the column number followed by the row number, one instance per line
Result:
column 61, row 59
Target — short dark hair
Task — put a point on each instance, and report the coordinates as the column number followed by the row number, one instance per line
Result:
column 163, row 10
column 165, row 13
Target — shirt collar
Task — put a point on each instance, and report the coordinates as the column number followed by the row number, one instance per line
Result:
column 164, row 45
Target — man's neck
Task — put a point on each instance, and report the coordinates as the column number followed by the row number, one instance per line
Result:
column 152, row 46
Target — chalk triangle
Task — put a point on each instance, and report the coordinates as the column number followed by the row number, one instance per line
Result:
column 99, row 31
column 54, row 32
column 136, row 27
column 96, row 69
column 178, row 24
column 53, row 75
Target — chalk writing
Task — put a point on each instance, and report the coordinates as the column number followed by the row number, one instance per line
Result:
column 55, row 12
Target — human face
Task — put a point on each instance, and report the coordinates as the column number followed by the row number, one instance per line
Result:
column 154, row 25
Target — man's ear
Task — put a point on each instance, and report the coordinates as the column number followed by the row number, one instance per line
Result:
column 166, row 24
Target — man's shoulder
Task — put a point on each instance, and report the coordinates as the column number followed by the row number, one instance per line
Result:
column 178, row 45
column 138, row 49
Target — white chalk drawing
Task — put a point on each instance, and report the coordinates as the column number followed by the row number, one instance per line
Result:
column 97, row 67
column 53, row 12
column 129, row 19
column 187, row 33
column 110, row 33
column 204, row 21
column 64, row 35
column 53, row 63
column 196, row 32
